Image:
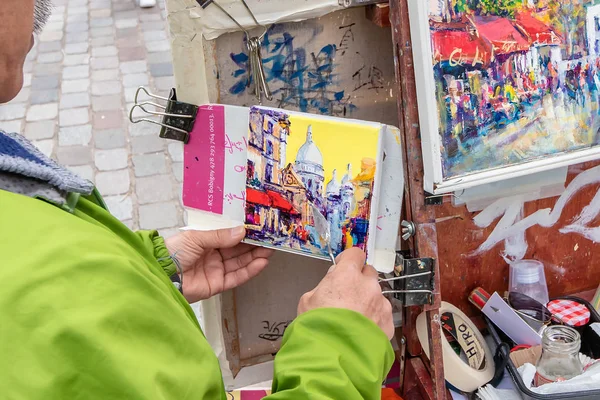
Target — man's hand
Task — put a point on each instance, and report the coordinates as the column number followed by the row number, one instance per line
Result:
column 352, row 285
column 216, row 261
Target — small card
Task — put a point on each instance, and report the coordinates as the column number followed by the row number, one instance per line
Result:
column 268, row 168
column 524, row 356
column 509, row 322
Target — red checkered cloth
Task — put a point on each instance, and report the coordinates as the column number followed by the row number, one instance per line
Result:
column 570, row 312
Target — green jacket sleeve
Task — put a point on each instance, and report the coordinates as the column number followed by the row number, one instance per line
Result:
column 89, row 313
column 332, row 354
column 156, row 245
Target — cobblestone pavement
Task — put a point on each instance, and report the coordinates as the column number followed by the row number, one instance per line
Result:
column 80, row 82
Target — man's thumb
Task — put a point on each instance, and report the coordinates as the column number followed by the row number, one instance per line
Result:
column 219, row 239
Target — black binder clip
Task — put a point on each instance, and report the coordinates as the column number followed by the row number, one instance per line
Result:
column 413, row 282
column 204, row 3
column 178, row 118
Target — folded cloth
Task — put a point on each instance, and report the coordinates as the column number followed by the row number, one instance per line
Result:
column 489, row 392
column 589, row 380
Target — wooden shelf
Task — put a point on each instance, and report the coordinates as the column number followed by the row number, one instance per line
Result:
column 379, row 14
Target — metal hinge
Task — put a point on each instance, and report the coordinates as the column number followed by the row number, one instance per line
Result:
column 413, row 281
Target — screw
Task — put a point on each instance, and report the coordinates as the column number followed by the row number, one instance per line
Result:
column 408, row 230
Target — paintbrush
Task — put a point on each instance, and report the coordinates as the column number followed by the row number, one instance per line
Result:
column 324, row 230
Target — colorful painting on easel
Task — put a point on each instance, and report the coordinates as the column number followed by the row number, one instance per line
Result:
column 515, row 80
column 299, row 165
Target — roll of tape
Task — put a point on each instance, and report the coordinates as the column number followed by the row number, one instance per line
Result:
column 478, row 370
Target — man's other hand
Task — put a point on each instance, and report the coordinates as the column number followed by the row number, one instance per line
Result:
column 216, row 261
column 354, row 286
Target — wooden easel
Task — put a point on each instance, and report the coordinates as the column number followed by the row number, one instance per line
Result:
column 448, row 242
column 443, row 232
column 424, row 242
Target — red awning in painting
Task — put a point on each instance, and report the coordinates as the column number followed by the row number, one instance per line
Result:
column 281, row 203
column 537, row 31
column 459, row 47
column 503, row 35
column 257, row 197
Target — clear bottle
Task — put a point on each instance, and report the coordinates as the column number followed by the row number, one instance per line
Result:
column 527, row 277
column 560, row 355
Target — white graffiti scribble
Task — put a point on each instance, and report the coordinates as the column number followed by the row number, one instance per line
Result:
column 512, row 226
column 581, row 224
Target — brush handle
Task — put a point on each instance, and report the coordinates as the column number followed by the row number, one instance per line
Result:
column 479, row 297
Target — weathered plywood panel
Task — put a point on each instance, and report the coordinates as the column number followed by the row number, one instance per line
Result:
column 561, row 232
column 340, row 64
column 267, row 304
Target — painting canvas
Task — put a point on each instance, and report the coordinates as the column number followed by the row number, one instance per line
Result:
column 300, row 165
column 506, row 87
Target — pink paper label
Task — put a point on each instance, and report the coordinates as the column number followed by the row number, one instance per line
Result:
column 204, row 161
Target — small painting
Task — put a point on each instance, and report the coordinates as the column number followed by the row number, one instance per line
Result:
column 509, row 82
column 299, row 165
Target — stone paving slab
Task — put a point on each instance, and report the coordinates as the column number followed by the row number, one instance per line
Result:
column 80, row 79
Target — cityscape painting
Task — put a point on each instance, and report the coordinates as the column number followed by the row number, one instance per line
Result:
column 302, row 164
column 509, row 81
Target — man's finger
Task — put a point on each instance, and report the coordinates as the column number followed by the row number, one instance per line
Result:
column 243, row 260
column 236, row 251
column 352, row 258
column 218, row 239
column 239, row 277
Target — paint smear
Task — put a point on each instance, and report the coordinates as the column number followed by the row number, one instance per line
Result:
column 509, row 209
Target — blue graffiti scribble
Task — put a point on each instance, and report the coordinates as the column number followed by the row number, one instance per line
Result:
column 299, row 80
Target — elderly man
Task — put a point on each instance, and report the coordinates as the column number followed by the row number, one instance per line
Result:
column 89, row 308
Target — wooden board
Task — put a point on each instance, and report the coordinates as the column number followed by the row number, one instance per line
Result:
column 340, row 65
column 256, row 315
column 570, row 258
column 424, row 243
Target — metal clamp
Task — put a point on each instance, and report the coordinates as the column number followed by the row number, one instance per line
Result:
column 253, row 43
column 413, row 282
column 178, row 118
column 358, row 3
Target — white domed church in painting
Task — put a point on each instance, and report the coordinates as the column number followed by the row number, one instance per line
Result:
column 309, row 166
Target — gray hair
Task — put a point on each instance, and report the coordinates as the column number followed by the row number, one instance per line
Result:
column 41, row 13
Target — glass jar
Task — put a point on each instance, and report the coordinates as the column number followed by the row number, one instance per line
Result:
column 560, row 355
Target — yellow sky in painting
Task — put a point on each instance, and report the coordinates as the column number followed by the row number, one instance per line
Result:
column 340, row 143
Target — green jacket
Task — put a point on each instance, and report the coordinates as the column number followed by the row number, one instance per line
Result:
column 87, row 312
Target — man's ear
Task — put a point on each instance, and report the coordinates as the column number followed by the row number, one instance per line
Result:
column 16, row 32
